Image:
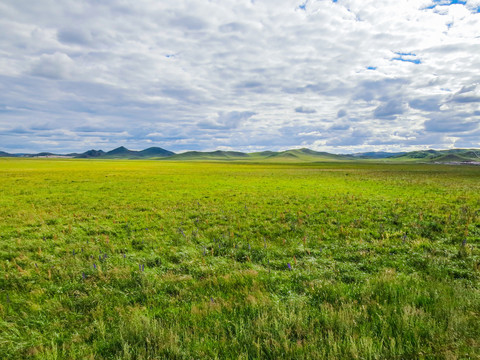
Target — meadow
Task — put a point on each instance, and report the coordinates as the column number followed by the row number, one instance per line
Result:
column 115, row 259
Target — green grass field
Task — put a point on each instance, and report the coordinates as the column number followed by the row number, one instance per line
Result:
column 169, row 260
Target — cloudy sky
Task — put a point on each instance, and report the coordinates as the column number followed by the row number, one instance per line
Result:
column 340, row 76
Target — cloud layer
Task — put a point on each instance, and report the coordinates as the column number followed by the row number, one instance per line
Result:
column 339, row 76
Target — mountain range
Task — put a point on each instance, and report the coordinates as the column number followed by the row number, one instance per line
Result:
column 293, row 155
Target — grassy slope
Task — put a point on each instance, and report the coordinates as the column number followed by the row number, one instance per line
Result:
column 455, row 155
column 288, row 156
column 214, row 241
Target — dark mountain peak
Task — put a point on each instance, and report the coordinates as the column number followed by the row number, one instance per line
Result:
column 119, row 150
column 91, row 154
column 156, row 151
column 5, row 154
column 307, row 151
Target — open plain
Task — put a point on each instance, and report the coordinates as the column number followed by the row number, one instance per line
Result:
column 115, row 259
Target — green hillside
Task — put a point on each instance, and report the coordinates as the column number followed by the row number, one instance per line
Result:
column 213, row 155
column 294, row 155
column 124, row 153
column 452, row 155
column 303, row 155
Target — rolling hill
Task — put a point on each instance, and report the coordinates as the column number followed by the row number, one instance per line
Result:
column 293, row 155
column 124, row 153
column 89, row 154
column 306, row 155
column 212, row 155
column 440, row 156
column 5, row 154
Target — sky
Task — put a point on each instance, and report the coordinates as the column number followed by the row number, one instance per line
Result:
column 249, row 75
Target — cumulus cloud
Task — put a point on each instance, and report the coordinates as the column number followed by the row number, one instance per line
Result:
column 341, row 76
column 53, row 66
column 454, row 125
column 227, row 120
column 389, row 109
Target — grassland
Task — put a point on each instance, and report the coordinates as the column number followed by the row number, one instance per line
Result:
column 161, row 259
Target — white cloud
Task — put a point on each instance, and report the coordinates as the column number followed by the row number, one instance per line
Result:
column 53, row 66
column 237, row 74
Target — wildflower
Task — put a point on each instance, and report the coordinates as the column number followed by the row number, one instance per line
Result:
column 204, row 251
column 73, row 252
column 83, row 275
column 36, row 265
column 211, row 300
column 464, row 242
column 289, row 266
column 143, row 267
column 94, row 266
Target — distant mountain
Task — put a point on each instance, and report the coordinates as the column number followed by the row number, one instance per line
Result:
column 299, row 155
column 421, row 154
column 120, row 152
column 155, row 152
column 211, row 155
column 377, row 154
column 89, row 154
column 124, row 153
column 306, row 155
column 441, row 156
column 5, row 154
column 453, row 156
column 263, row 153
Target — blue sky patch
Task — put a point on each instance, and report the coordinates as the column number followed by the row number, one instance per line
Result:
column 406, row 57
column 449, row 2
column 414, row 61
